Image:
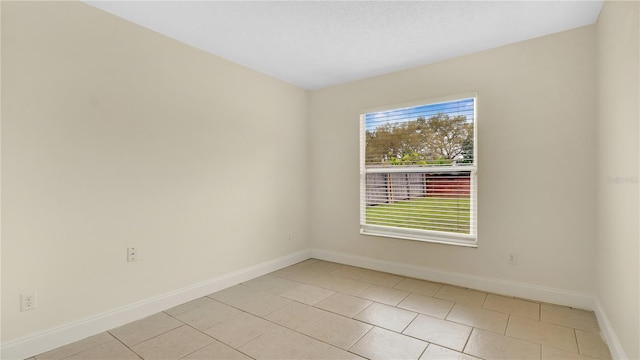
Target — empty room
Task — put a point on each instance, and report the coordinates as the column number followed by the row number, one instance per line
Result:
column 320, row 180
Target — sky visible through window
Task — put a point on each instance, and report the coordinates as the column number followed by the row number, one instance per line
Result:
column 395, row 116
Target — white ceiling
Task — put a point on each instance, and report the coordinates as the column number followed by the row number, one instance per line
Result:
column 316, row 44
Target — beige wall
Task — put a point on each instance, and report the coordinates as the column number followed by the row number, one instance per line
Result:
column 536, row 131
column 618, row 272
column 115, row 136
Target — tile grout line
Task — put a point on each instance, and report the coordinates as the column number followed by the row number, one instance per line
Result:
column 218, row 340
column 125, row 345
column 354, row 344
column 424, row 350
column 153, row 337
column 198, row 349
column 540, row 312
column 410, row 322
column 467, row 342
column 75, row 353
column 575, row 336
column 484, row 301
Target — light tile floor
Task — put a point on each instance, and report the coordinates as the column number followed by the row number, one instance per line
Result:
column 322, row 310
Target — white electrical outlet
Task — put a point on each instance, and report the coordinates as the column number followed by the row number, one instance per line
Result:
column 28, row 301
column 132, row 254
column 513, row 259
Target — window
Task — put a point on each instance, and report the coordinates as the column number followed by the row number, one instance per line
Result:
column 418, row 171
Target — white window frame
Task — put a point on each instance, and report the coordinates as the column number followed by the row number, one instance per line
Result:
column 442, row 237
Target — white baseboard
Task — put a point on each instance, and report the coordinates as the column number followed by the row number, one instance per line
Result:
column 493, row 285
column 53, row 338
column 617, row 352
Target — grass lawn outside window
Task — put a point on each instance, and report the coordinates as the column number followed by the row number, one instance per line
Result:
column 428, row 213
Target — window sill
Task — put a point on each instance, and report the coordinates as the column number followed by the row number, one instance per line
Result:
column 421, row 235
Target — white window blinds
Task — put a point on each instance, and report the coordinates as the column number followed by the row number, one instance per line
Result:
column 418, row 172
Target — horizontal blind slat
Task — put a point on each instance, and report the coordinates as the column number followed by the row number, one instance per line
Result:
column 412, row 184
